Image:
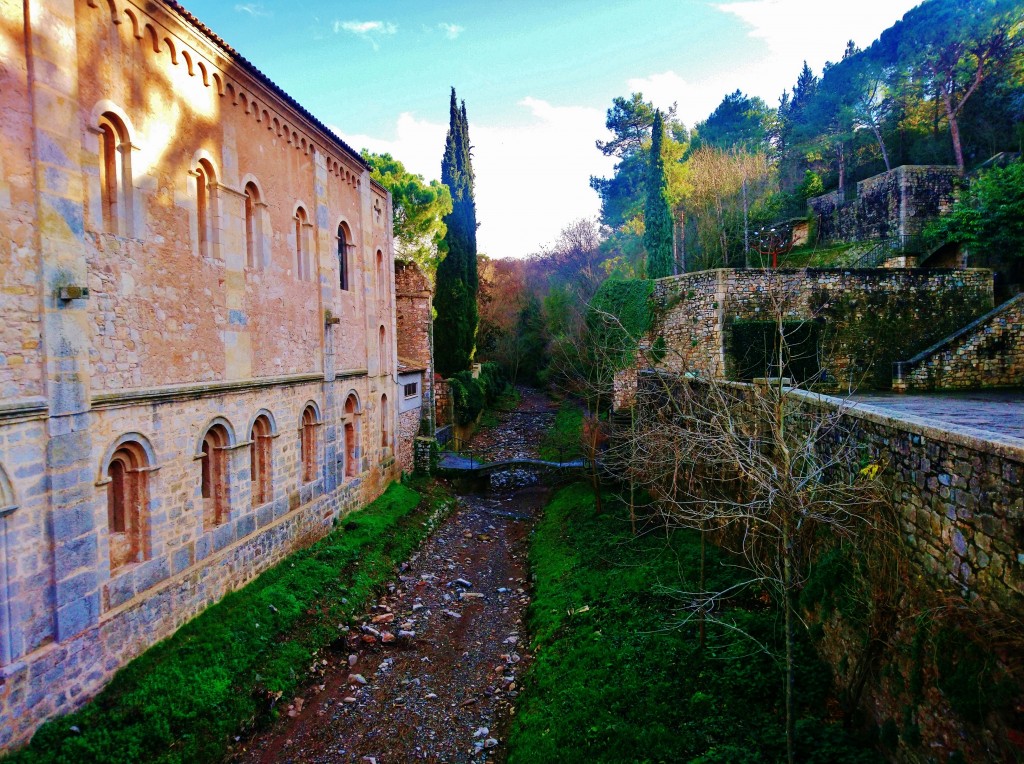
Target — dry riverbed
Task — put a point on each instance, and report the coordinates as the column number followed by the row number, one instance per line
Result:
column 430, row 672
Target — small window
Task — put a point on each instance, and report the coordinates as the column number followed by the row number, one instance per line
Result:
column 384, row 421
column 352, row 455
column 308, row 445
column 411, row 389
column 382, row 346
column 253, row 229
column 343, row 246
column 260, row 461
column 115, row 152
column 127, row 505
column 214, row 489
column 302, row 264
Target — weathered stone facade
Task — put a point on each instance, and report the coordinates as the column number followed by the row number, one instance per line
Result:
column 198, row 360
column 869, row 317
column 896, row 203
column 415, row 327
column 988, row 352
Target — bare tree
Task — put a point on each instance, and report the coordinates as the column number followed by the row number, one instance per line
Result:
column 760, row 466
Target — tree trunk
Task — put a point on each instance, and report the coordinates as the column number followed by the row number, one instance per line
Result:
column 881, row 145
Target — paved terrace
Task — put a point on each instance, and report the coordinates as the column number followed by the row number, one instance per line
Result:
column 986, row 414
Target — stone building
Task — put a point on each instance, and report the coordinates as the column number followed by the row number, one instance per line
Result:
column 414, row 296
column 198, row 364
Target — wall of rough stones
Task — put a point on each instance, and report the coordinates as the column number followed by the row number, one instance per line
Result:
column 987, row 353
column 895, row 203
column 959, row 502
column 179, row 330
column 871, row 317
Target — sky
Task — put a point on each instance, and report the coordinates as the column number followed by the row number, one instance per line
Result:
column 537, row 77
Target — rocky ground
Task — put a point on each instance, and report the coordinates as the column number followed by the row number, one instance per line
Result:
column 430, row 673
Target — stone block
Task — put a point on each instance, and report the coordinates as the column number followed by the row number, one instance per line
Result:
column 77, row 616
column 148, row 574
column 73, row 555
column 120, row 589
column 245, row 525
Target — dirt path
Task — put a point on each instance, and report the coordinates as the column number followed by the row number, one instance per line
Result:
column 430, row 673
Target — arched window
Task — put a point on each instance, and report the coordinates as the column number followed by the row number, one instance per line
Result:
column 127, row 505
column 301, row 245
column 382, row 344
column 261, row 466
column 115, row 174
column 253, row 228
column 309, row 445
column 207, row 217
column 352, row 454
column 215, row 476
column 342, row 257
column 381, row 282
column 384, row 441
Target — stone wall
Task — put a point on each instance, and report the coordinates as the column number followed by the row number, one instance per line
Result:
column 870, row 317
column 959, row 505
column 895, row 203
column 227, row 263
column 989, row 352
column 408, row 429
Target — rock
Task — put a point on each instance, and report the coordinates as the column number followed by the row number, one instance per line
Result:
column 371, row 631
column 369, row 639
column 352, row 660
column 406, row 634
column 452, row 614
column 356, row 679
column 387, row 638
column 430, row 696
column 490, row 743
column 348, row 699
column 481, row 732
column 417, row 606
column 471, row 595
column 463, row 583
column 383, row 618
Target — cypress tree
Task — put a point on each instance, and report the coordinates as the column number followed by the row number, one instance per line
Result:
column 657, row 217
column 455, row 292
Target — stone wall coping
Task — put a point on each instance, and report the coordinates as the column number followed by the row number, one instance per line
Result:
column 1005, row 446
column 195, row 390
column 880, row 273
column 24, row 409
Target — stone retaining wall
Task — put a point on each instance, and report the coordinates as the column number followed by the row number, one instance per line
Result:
column 895, row 203
column 870, row 317
column 987, row 353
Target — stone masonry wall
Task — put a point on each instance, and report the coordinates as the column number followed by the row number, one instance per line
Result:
column 987, row 353
column 895, row 203
column 408, row 429
column 871, row 317
column 230, row 258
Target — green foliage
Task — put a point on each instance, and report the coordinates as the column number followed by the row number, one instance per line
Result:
column 969, row 678
column 739, row 121
column 657, row 217
column 457, row 281
column 619, row 676
column 470, row 396
column 619, row 316
column 562, row 442
column 812, row 186
column 419, row 209
column 184, row 699
column 989, row 217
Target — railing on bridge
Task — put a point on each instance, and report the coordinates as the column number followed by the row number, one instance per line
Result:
column 460, row 456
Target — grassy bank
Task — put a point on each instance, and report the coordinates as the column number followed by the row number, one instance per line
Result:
column 616, row 678
column 563, row 441
column 185, row 699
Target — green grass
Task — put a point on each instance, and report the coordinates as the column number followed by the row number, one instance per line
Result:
column 616, row 678
column 184, row 699
column 563, row 441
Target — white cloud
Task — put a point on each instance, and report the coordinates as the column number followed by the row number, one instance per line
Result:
column 694, row 100
column 532, row 180
column 371, row 31
column 795, row 30
column 253, row 9
column 451, row 31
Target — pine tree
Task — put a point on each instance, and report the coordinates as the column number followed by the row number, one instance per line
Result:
column 455, row 293
column 657, row 217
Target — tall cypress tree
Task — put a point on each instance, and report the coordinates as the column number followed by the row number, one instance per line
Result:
column 657, row 217
column 455, row 293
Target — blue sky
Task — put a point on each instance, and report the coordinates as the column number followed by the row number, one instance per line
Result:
column 537, row 78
